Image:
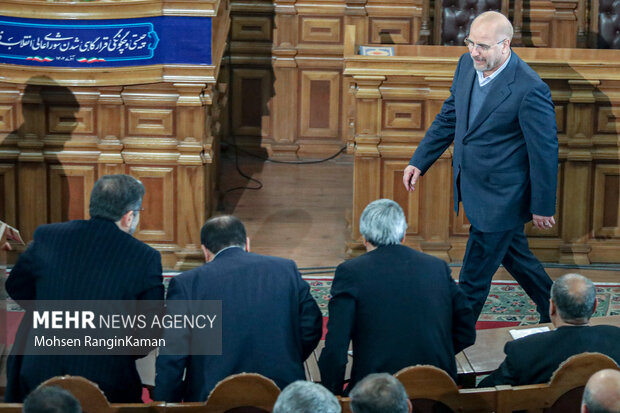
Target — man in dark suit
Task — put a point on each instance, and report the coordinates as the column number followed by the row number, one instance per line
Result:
column 501, row 120
column 97, row 259
column 533, row 359
column 270, row 322
column 400, row 307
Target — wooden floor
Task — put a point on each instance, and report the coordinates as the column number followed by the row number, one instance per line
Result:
column 301, row 213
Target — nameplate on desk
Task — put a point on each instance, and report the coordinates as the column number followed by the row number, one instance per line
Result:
column 376, row 51
column 524, row 332
column 105, row 43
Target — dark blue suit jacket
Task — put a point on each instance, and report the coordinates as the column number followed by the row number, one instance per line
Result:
column 270, row 324
column 533, row 359
column 400, row 307
column 82, row 260
column 505, row 163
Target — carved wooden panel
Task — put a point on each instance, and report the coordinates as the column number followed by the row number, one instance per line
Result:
column 389, row 31
column 69, row 189
column 7, row 121
column 254, row 28
column 67, row 119
column 536, row 34
column 402, row 115
column 606, row 213
column 560, row 117
column 392, row 187
column 320, row 29
column 7, row 194
column 157, row 217
column 251, row 89
column 320, row 103
column 608, row 119
column 150, row 122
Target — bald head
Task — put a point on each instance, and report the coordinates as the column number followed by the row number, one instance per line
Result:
column 602, row 393
column 574, row 297
column 494, row 24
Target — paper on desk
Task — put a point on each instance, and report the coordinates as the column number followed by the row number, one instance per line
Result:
column 527, row 331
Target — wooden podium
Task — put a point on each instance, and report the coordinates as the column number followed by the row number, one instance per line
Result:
column 139, row 97
column 396, row 100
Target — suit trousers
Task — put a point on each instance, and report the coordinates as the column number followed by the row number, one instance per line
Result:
column 486, row 251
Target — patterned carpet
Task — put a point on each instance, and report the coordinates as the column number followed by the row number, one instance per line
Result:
column 507, row 302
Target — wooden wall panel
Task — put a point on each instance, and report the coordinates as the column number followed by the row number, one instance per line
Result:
column 392, row 187
column 251, row 28
column 8, row 208
column 157, row 218
column 69, row 188
column 7, row 118
column 150, row 122
column 606, row 213
column 402, row 115
column 389, row 31
column 319, row 103
column 251, row 89
column 69, row 120
column 320, row 29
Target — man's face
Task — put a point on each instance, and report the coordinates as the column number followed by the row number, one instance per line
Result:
column 485, row 51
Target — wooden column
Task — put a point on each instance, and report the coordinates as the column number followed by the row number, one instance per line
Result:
column 367, row 162
column 577, row 174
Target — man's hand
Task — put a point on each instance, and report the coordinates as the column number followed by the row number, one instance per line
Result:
column 541, row 222
column 410, row 177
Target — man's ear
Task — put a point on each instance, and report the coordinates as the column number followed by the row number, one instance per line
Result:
column 552, row 308
column 208, row 254
column 125, row 222
column 247, row 244
column 410, row 405
column 595, row 305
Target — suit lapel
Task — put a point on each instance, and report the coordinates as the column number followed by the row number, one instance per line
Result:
column 464, row 92
column 499, row 92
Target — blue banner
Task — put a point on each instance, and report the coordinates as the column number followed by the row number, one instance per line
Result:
column 105, row 43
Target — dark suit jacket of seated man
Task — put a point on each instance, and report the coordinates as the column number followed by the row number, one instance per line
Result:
column 533, row 359
column 270, row 322
column 400, row 307
column 97, row 259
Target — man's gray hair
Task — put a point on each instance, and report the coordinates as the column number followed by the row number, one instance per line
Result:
column 306, row 397
column 574, row 296
column 379, row 393
column 383, row 223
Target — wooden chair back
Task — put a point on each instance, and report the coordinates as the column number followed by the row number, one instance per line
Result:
column 431, row 389
column 93, row 400
column 243, row 393
column 563, row 393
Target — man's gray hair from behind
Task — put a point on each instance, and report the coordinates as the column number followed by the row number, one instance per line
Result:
column 306, row 397
column 383, row 223
column 574, row 296
column 379, row 393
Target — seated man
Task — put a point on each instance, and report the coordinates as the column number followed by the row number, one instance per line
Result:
column 270, row 324
column 51, row 399
column 95, row 259
column 400, row 307
column 380, row 393
column 306, row 397
column 602, row 393
column 533, row 359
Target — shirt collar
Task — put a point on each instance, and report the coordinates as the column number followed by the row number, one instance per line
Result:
column 485, row 80
column 227, row 248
